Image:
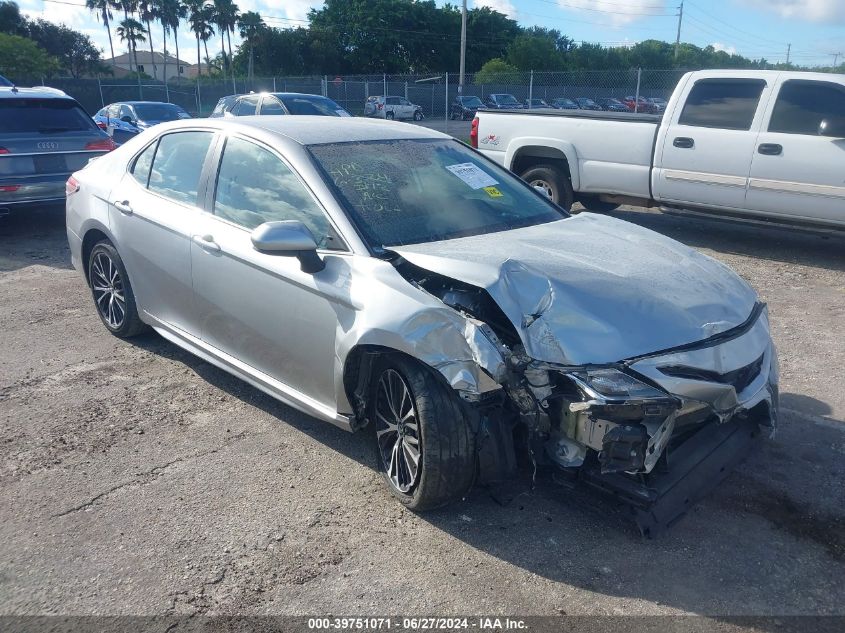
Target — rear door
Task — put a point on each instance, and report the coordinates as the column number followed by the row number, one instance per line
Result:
column 706, row 150
column 153, row 213
column 795, row 172
column 271, row 106
column 391, row 104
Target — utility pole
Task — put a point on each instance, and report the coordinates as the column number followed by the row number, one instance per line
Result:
column 788, row 50
column 463, row 46
column 835, row 59
column 678, row 38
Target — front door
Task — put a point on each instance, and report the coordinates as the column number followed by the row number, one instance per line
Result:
column 708, row 144
column 153, row 219
column 795, row 172
column 260, row 308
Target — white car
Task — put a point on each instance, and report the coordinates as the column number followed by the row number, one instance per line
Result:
column 392, row 108
column 746, row 144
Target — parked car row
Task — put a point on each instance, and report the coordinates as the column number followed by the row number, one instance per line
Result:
column 465, row 107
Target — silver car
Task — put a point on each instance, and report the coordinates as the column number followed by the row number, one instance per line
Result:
column 388, row 276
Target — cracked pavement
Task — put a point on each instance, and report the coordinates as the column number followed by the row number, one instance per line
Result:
column 137, row 479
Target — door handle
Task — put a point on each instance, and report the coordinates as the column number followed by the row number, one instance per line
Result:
column 770, row 149
column 124, row 207
column 684, row 142
column 206, row 242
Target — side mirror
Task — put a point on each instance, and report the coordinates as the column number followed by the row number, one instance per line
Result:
column 128, row 119
column 834, row 128
column 289, row 238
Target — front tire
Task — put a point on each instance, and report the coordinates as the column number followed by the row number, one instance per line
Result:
column 554, row 181
column 388, row 116
column 418, row 115
column 424, row 443
column 112, row 292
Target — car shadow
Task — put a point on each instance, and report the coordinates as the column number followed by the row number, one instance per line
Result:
column 766, row 515
column 34, row 236
column 780, row 244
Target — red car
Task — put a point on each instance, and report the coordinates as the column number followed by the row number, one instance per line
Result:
column 644, row 105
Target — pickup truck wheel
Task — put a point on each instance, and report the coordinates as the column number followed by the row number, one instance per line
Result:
column 592, row 203
column 424, row 444
column 553, row 181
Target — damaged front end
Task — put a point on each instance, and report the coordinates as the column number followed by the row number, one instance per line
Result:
column 656, row 431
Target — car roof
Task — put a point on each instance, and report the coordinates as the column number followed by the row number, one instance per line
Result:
column 284, row 95
column 33, row 93
column 315, row 130
column 134, row 103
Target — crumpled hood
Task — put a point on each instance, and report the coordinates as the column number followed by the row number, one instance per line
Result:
column 594, row 289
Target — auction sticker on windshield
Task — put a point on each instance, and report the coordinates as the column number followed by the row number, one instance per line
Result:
column 472, row 175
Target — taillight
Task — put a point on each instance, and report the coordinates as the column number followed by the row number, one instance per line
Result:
column 102, row 125
column 473, row 133
column 380, row 106
column 9, row 188
column 104, row 145
column 71, row 186
column 3, row 150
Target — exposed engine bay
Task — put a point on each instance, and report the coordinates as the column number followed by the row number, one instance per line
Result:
column 656, row 431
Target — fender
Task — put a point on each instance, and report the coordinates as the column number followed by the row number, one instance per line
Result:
column 550, row 148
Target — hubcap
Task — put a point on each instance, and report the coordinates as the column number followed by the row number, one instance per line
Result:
column 397, row 431
column 542, row 184
column 108, row 290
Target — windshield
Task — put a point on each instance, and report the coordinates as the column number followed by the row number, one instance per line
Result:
column 43, row 116
column 565, row 101
column 316, row 105
column 586, row 101
column 412, row 191
column 159, row 112
column 471, row 101
column 503, row 99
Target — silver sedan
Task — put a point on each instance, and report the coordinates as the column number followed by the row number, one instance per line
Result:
column 387, row 276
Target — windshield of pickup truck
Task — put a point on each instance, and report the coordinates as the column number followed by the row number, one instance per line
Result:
column 413, row 191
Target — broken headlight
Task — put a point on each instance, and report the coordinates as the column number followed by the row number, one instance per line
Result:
column 612, row 384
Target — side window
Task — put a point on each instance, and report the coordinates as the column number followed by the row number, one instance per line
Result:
column 178, row 164
column 271, row 106
column 404, row 102
column 802, row 105
column 392, row 101
column 113, row 110
column 728, row 104
column 141, row 168
column 254, row 186
column 245, row 107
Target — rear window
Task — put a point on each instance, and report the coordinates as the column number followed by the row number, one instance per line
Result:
column 729, row 104
column 44, row 116
column 320, row 106
column 159, row 112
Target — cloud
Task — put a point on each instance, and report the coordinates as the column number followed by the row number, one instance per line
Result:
column 616, row 13
column 829, row 11
column 730, row 50
column 502, row 6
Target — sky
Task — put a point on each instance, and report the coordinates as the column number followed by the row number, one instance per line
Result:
column 753, row 28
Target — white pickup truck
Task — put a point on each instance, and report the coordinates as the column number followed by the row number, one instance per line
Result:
column 753, row 144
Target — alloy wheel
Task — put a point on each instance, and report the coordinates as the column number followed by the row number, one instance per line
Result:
column 397, row 431
column 107, row 286
column 545, row 186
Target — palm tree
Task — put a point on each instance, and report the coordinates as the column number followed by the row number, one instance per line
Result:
column 250, row 25
column 170, row 14
column 131, row 31
column 148, row 11
column 225, row 17
column 231, row 24
column 102, row 8
column 199, row 17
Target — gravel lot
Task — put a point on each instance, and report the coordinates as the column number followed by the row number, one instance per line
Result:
column 137, row 479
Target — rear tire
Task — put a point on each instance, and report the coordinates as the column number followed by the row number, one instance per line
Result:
column 388, row 116
column 112, row 292
column 592, row 203
column 554, row 180
column 418, row 115
column 417, row 416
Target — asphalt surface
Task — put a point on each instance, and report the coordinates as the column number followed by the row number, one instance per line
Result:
column 138, row 479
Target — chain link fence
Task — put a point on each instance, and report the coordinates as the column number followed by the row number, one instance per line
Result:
column 432, row 92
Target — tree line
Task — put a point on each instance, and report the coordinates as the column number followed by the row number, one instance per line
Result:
column 342, row 37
